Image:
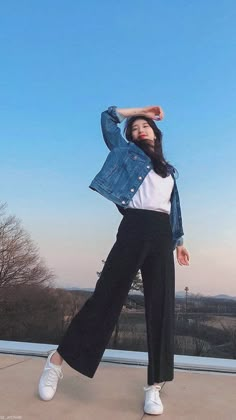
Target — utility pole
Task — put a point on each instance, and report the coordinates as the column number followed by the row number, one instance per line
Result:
column 186, row 298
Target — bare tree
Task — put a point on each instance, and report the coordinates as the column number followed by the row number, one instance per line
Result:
column 20, row 262
column 137, row 284
column 99, row 272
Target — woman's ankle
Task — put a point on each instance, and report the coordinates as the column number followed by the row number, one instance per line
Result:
column 56, row 359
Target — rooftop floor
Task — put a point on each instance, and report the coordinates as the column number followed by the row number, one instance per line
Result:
column 115, row 393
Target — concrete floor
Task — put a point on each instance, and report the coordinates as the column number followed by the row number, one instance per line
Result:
column 115, row 393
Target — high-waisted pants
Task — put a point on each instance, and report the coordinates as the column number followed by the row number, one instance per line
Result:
column 143, row 241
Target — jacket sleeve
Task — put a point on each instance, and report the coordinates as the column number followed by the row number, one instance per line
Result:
column 177, row 242
column 180, row 241
column 176, row 217
column 110, row 130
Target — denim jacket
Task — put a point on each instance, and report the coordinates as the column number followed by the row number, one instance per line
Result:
column 124, row 170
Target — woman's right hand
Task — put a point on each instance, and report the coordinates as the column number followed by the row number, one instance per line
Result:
column 154, row 112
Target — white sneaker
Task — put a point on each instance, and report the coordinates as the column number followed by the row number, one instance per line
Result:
column 153, row 404
column 49, row 379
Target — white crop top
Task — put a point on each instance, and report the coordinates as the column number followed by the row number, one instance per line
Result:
column 154, row 193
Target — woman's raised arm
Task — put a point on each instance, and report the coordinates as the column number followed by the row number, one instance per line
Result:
column 110, row 130
column 154, row 112
column 113, row 116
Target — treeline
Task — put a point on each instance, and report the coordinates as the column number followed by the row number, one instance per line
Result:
column 42, row 314
column 32, row 309
column 205, row 304
column 35, row 313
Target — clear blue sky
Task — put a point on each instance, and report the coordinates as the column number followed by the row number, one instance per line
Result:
column 62, row 63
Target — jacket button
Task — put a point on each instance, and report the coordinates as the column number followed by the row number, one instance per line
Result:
column 123, row 202
column 148, row 167
column 132, row 190
column 140, row 177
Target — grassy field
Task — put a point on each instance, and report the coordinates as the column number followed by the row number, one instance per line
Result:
column 221, row 321
column 207, row 337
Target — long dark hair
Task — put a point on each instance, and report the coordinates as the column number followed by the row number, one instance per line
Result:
column 160, row 165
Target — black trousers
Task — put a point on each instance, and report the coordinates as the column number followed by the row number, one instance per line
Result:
column 144, row 241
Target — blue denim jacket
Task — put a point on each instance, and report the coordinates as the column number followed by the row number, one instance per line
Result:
column 125, row 169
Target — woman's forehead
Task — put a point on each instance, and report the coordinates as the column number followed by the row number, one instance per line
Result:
column 139, row 121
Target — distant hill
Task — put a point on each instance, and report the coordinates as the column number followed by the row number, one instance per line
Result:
column 180, row 294
column 224, row 297
column 87, row 289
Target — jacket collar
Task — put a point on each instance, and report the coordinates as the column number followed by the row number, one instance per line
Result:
column 137, row 150
column 140, row 152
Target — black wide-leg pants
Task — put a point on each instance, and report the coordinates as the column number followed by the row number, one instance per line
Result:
column 143, row 241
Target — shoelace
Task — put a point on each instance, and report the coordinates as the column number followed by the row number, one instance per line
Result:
column 154, row 387
column 52, row 374
column 155, row 392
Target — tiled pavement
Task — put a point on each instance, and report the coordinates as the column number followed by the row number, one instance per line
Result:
column 115, row 393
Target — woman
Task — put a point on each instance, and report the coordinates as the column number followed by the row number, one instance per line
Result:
column 141, row 183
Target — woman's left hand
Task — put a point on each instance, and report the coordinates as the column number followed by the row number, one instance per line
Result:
column 182, row 255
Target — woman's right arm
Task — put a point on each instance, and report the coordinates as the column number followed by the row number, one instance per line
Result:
column 154, row 112
column 110, row 130
column 113, row 116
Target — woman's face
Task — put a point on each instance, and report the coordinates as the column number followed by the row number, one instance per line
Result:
column 141, row 131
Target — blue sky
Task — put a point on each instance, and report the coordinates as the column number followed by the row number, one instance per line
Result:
column 62, row 64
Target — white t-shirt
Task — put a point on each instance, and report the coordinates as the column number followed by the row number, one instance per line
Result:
column 154, row 193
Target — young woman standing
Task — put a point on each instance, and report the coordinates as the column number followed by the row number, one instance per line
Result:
column 142, row 184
